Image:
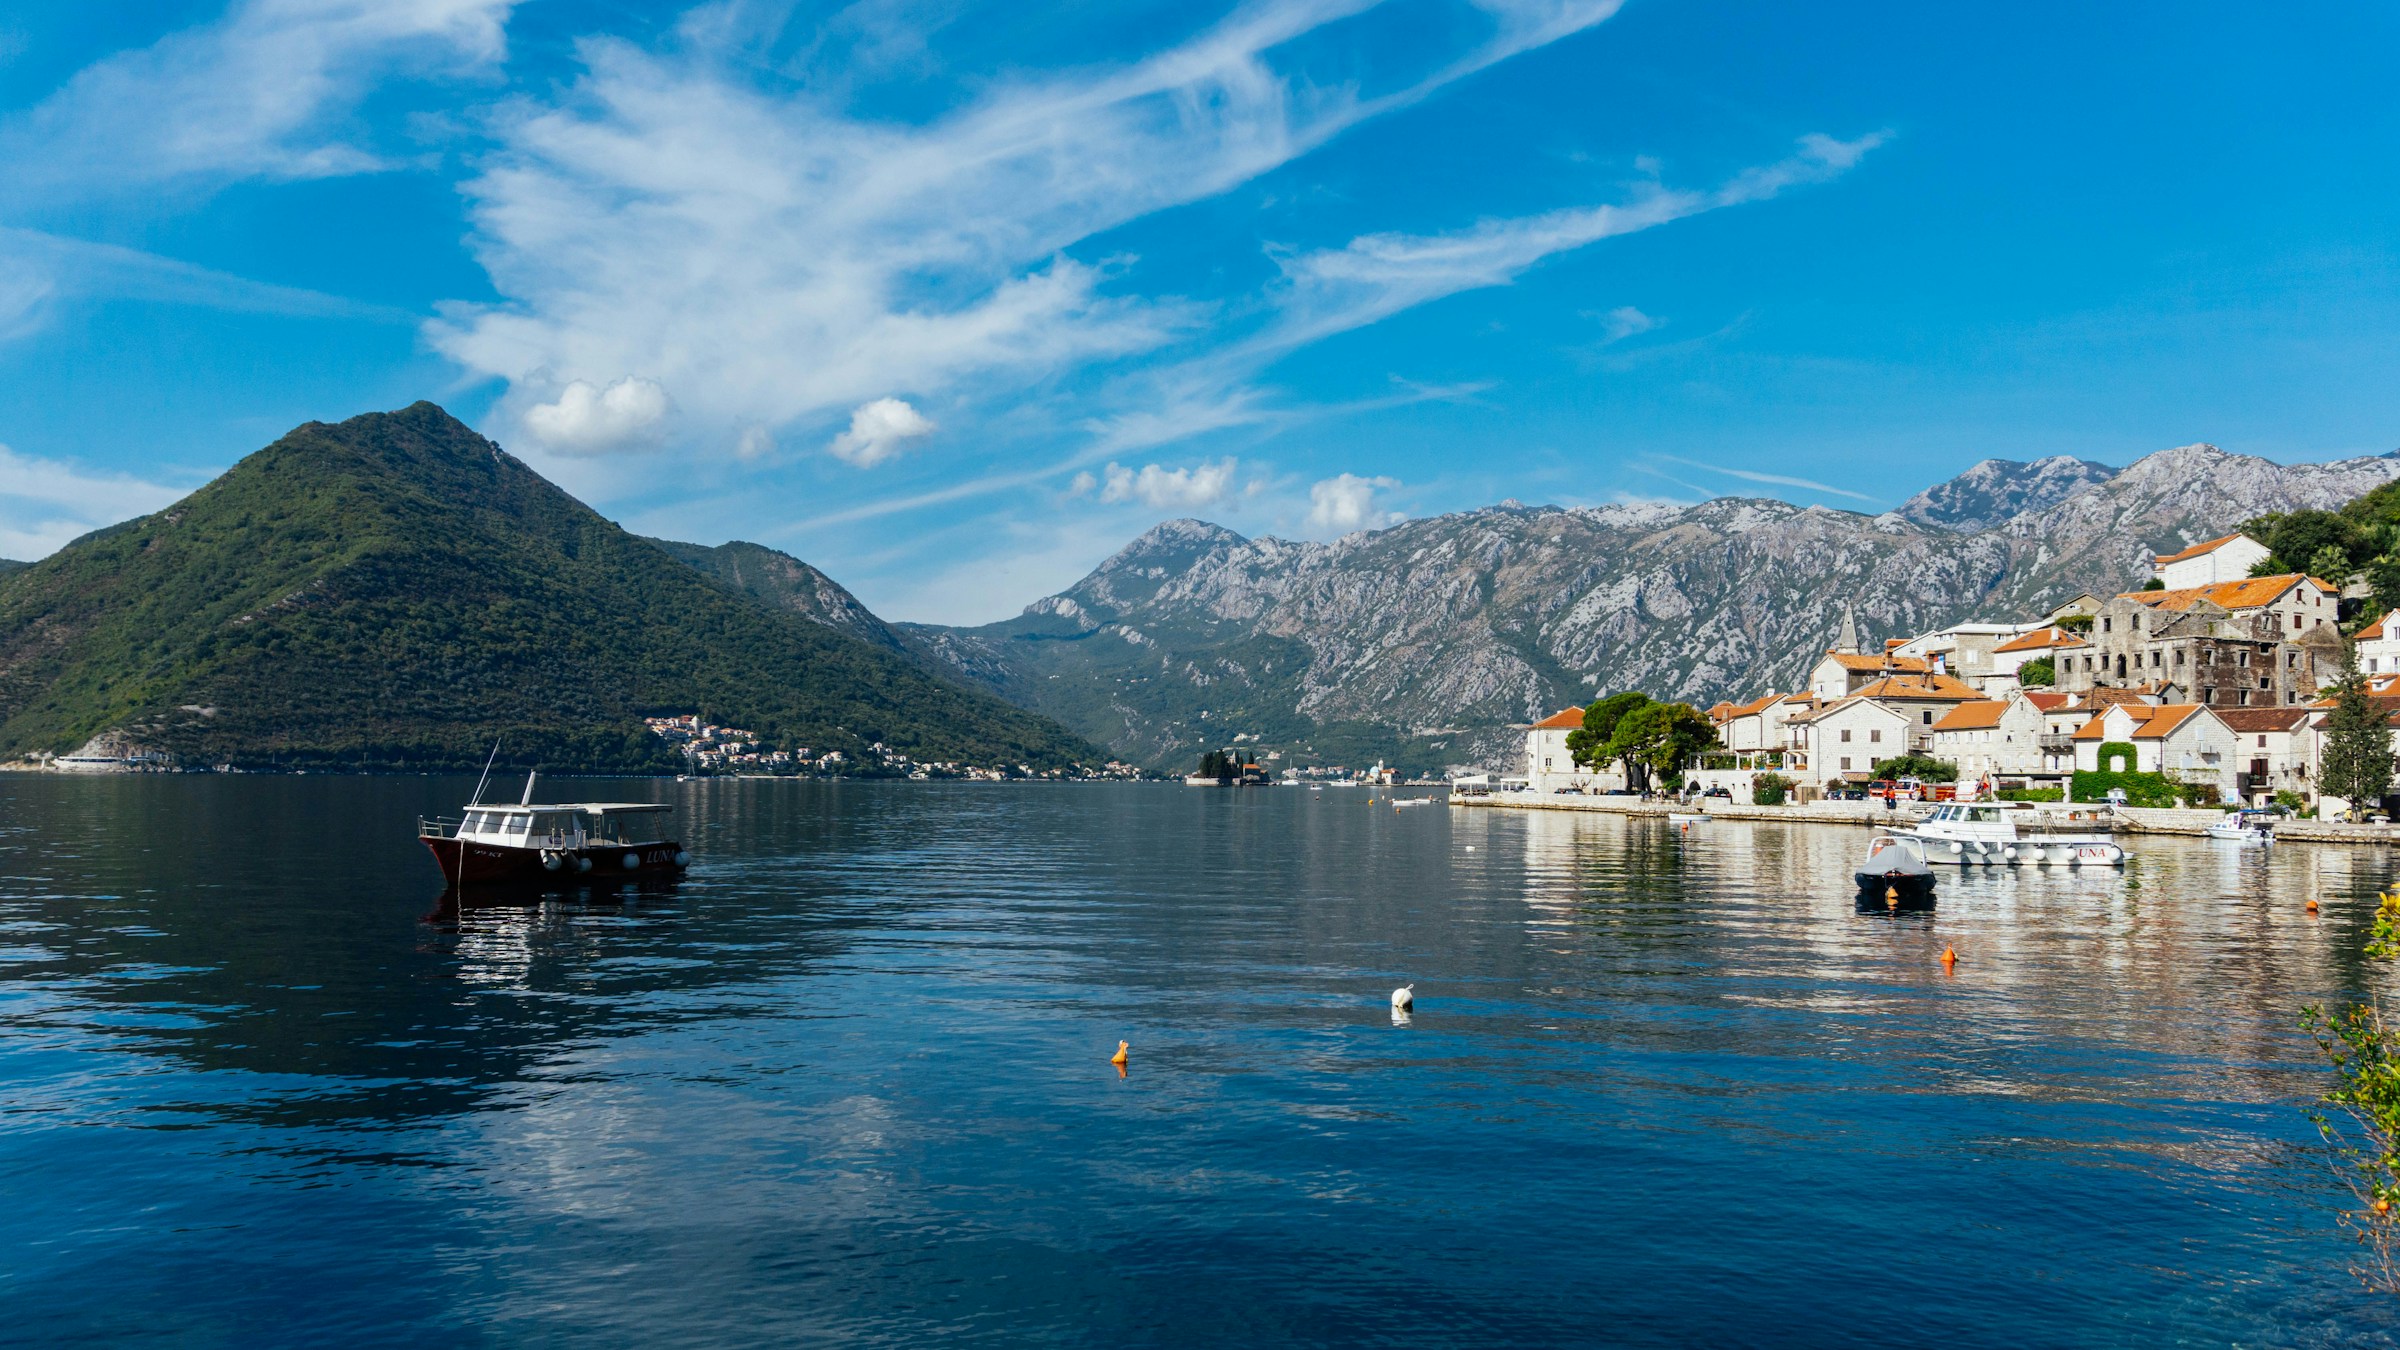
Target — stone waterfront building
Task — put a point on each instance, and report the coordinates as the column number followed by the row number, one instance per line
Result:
column 2258, row 642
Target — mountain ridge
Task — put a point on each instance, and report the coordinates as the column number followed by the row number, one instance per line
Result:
column 1422, row 642
column 395, row 591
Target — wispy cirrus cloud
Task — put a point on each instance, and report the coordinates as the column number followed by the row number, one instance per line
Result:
column 1775, row 479
column 263, row 92
column 1375, row 276
column 773, row 259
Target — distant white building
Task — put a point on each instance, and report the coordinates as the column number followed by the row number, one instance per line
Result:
column 2379, row 645
column 2229, row 558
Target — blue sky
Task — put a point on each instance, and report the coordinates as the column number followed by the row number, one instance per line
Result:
column 953, row 300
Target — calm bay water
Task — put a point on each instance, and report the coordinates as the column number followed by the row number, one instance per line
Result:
column 848, row 1082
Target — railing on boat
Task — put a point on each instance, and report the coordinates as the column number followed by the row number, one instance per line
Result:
column 437, row 827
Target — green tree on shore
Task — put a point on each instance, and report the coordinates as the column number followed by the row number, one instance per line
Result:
column 2358, row 740
column 2039, row 673
column 1660, row 738
column 1589, row 746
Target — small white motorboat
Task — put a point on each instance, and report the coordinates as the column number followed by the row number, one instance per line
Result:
column 1964, row 833
column 2248, row 828
column 1688, row 817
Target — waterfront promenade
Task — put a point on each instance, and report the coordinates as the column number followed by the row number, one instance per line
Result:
column 2051, row 817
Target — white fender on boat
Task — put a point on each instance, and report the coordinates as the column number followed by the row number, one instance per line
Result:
column 682, row 858
column 582, row 864
column 551, row 862
column 631, row 861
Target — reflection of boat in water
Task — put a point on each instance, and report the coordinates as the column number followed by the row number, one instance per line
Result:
column 1894, row 863
column 1688, row 817
column 1961, row 833
column 1398, row 802
column 529, row 842
column 2245, row 827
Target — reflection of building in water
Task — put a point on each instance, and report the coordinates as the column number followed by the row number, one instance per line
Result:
column 2197, row 952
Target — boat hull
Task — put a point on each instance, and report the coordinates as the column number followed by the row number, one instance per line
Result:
column 471, row 863
column 2021, row 852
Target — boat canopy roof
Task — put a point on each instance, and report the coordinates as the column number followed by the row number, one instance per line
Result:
column 593, row 808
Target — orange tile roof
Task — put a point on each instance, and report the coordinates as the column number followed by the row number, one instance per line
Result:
column 2251, row 593
column 2376, row 629
column 1938, row 688
column 2139, row 712
column 1905, row 665
column 2197, row 549
column 2041, row 639
column 2047, row 702
column 1572, row 718
column 1976, row 716
column 2163, row 720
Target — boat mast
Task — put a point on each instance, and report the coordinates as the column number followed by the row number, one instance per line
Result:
column 487, row 773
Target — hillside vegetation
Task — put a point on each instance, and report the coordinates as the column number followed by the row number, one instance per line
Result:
column 394, row 591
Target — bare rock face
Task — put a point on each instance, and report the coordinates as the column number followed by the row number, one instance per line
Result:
column 1424, row 642
column 1998, row 489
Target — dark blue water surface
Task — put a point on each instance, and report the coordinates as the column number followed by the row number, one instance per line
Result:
column 849, row 1082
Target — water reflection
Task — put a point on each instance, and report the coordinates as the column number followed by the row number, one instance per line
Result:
column 849, row 1078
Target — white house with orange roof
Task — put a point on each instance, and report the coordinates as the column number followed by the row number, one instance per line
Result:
column 2227, row 558
column 2047, row 642
column 2186, row 740
column 2273, row 751
column 1921, row 699
column 2379, row 645
column 1847, row 739
column 1546, row 756
column 1999, row 740
column 1758, row 724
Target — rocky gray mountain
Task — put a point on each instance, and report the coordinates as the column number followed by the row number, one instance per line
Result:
column 1998, row 489
column 1422, row 643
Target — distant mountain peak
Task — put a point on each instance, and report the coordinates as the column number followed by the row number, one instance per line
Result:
column 1995, row 490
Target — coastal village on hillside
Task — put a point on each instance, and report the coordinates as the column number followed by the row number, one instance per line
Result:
column 2209, row 674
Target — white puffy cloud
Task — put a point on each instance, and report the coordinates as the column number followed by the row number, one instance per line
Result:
column 251, row 95
column 1345, row 503
column 1163, row 489
column 879, row 431
column 586, row 419
column 754, row 443
column 44, row 504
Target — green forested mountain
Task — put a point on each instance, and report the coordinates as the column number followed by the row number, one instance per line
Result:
column 785, row 583
column 8, row 565
column 395, row 591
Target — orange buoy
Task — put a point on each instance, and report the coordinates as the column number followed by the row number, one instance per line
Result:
column 2311, row 906
column 1118, row 1058
column 1949, row 957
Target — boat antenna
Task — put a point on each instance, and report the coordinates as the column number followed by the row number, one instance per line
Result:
column 487, row 774
column 527, row 799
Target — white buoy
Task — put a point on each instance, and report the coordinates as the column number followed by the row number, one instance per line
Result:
column 1404, row 998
